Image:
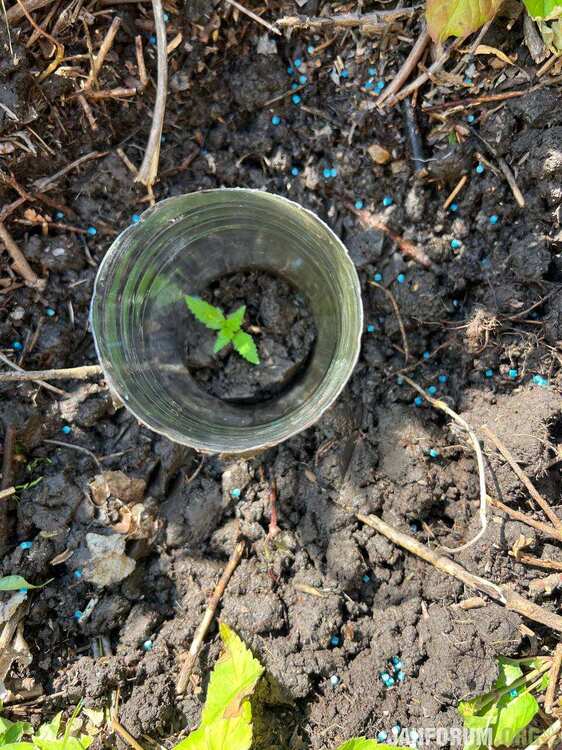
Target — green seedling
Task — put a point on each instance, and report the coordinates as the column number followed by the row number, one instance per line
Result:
column 15, row 583
column 510, row 706
column 19, row 735
column 226, row 721
column 229, row 329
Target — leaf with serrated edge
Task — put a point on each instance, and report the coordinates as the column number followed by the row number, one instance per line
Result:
column 234, row 678
column 210, row 316
column 234, row 321
column 447, row 18
column 14, row 583
column 221, row 341
column 222, row 734
column 246, row 347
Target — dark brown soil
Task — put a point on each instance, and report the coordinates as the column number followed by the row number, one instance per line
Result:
column 281, row 324
column 495, row 304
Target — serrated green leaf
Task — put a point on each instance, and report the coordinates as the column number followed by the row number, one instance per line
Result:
column 223, row 734
column 221, row 341
column 509, row 672
column 210, row 316
column 234, row 321
column 513, row 718
column 232, row 680
column 14, row 583
column 543, row 9
column 246, row 347
column 447, row 18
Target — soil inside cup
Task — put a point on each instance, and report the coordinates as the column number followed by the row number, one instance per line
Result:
column 281, row 324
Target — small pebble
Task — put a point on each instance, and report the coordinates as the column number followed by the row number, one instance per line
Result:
column 236, row 492
column 294, row 86
column 59, row 216
column 275, row 120
column 434, row 453
column 148, row 645
column 455, row 244
column 344, row 73
column 426, row 355
column 152, row 39
column 480, row 169
column 359, row 204
column 296, row 99
column 295, row 171
column 77, row 614
column 327, row 173
column 334, row 679
column 390, row 682
column 17, row 346
column 297, row 62
column 513, row 693
column 166, row 17
column 370, row 328
column 454, row 207
column 396, row 728
column 50, row 312
column 382, row 736
column 335, row 640
column 468, row 81
column 470, row 118
column 333, row 172
column 456, row 303
column 26, row 545
column 24, row 591
column 400, row 278
column 290, row 70
column 385, row 676
column 400, row 380
column 512, row 373
column 418, row 401
column 135, row 218
column 414, row 528
column 366, row 578
column 401, row 676
column 489, row 373
column 310, row 50
column 372, row 71
column 368, row 84
column 387, row 201
column 77, row 574
column 66, row 429
column 92, row 231
column 432, row 390
column 303, row 79
column 396, row 662
column 494, row 218
column 540, row 380
column 377, row 277
column 443, row 378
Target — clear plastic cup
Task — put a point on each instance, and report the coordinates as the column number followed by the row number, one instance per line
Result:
column 180, row 245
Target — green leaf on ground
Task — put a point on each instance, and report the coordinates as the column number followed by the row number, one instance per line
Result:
column 246, row 347
column 509, row 672
column 226, row 721
column 234, row 321
column 543, row 8
column 210, row 316
column 447, row 18
column 14, row 583
column 360, row 743
column 513, row 718
column 221, row 341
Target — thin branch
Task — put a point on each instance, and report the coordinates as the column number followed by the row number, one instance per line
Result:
column 367, row 22
column 20, row 371
column 67, row 373
column 103, row 50
column 398, row 317
column 139, row 51
column 21, row 265
column 15, row 13
column 535, row 494
column 149, row 167
column 553, row 679
column 45, row 183
column 438, row 404
column 199, row 637
column 498, row 592
column 124, row 734
column 544, row 528
column 547, row 735
column 254, row 17
column 407, row 68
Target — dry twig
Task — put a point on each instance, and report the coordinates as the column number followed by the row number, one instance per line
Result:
column 45, row 183
column 254, row 17
column 553, row 679
column 124, row 734
column 438, row 404
column 66, row 373
column 199, row 637
column 406, row 70
column 535, row 494
column 544, row 528
column 369, row 23
column 546, row 736
column 7, row 480
column 102, row 53
column 20, row 263
column 20, row 371
column 398, row 317
column 498, row 592
column 143, row 75
column 149, row 167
